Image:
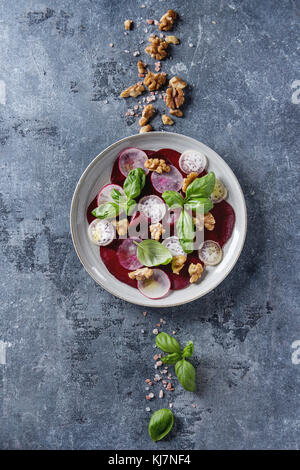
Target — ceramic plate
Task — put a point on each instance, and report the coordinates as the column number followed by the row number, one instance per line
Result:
column 97, row 175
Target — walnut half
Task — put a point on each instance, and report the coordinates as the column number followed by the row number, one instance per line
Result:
column 147, row 114
column 195, row 271
column 157, row 164
column 157, row 48
column 134, row 90
column 167, row 20
column 188, row 180
column 208, row 221
column 156, row 231
column 175, row 97
column 178, row 263
column 147, row 128
column 141, row 274
column 177, row 82
column 154, row 81
column 167, row 120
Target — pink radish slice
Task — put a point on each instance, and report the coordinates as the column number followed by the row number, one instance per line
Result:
column 152, row 207
column 127, row 254
column 131, row 158
column 105, row 193
column 191, row 160
column 171, row 181
column 173, row 244
column 157, row 286
column 101, row 232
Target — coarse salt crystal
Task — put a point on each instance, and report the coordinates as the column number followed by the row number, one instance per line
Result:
column 148, row 409
column 161, row 394
column 155, row 331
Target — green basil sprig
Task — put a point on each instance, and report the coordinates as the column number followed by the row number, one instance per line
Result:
column 184, row 370
column 161, row 423
column 133, row 186
column 152, row 253
column 197, row 195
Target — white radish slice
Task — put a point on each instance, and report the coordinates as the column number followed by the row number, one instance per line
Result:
column 210, row 253
column 101, row 232
column 127, row 254
column 105, row 193
column 157, row 286
column 191, row 160
column 173, row 244
column 219, row 193
column 171, row 181
column 152, row 207
column 131, row 158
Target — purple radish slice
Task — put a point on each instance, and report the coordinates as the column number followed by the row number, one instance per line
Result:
column 131, row 158
column 171, row 181
column 105, row 193
column 210, row 253
column 152, row 207
column 101, row 232
column 157, row 286
column 127, row 254
column 173, row 244
column 191, row 160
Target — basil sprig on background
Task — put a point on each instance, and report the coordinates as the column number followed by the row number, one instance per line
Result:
column 133, row 186
column 197, row 195
column 161, row 423
column 184, row 370
column 152, row 253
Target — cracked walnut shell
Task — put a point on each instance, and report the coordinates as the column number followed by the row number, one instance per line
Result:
column 188, row 180
column 147, row 114
column 195, row 271
column 157, row 48
column 141, row 274
column 167, row 20
column 156, row 231
column 134, row 90
column 174, row 98
column 178, row 263
column 157, row 164
column 154, row 81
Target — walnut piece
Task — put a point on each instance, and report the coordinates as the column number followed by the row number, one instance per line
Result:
column 156, row 231
column 127, row 24
column 172, row 40
column 134, row 90
column 167, row 20
column 141, row 67
column 178, row 263
column 174, row 98
column 208, row 221
column 147, row 128
column 188, row 180
column 195, row 271
column 177, row 82
column 122, row 227
column 157, row 164
column 167, row 120
column 176, row 112
column 141, row 274
column 147, row 114
column 157, row 48
column 154, row 81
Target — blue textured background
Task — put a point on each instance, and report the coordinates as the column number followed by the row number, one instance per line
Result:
column 76, row 357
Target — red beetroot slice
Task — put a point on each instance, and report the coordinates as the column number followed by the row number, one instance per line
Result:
column 171, row 181
column 127, row 254
column 225, row 218
column 169, row 154
column 157, row 286
column 110, row 258
column 131, row 158
column 182, row 280
column 105, row 193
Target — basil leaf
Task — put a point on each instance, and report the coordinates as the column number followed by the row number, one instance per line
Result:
column 167, row 343
column 186, row 374
column 173, row 199
column 185, row 231
column 188, row 349
column 161, row 423
column 196, row 202
column 117, row 196
column 130, row 206
column 107, row 210
column 152, row 253
column 201, row 187
column 134, row 183
column 171, row 358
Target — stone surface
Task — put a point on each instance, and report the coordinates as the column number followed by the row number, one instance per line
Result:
column 73, row 359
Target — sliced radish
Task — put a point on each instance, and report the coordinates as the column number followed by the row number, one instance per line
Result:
column 105, row 193
column 219, row 193
column 152, row 207
column 171, row 216
column 171, row 181
column 173, row 244
column 210, row 253
column 131, row 158
column 157, row 286
column 191, row 160
column 101, row 232
column 127, row 254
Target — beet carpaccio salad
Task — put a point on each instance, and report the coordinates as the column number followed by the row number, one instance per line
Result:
column 160, row 220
